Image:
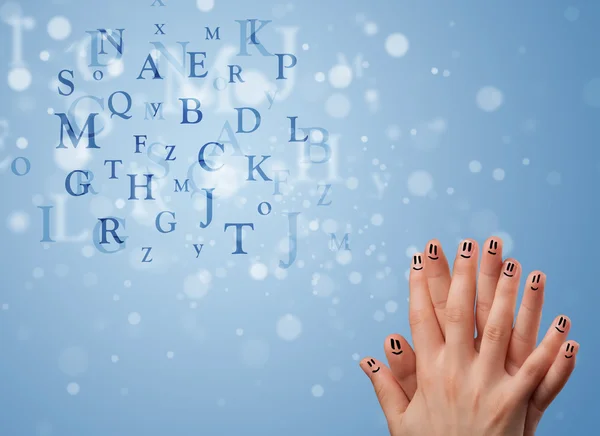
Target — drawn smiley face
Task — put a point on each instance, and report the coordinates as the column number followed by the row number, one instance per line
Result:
column 569, row 351
column 373, row 364
column 493, row 247
column 433, row 252
column 417, row 262
column 396, row 346
column 510, row 269
column 535, row 281
column 467, row 250
column 562, row 325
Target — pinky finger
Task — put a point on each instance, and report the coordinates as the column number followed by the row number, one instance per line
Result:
column 391, row 397
column 551, row 384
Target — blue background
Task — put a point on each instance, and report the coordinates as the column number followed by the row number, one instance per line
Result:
column 98, row 344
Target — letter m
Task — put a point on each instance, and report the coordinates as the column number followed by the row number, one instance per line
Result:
column 65, row 126
column 333, row 244
column 212, row 35
column 185, row 187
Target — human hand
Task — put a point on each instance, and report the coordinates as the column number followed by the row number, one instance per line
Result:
column 494, row 384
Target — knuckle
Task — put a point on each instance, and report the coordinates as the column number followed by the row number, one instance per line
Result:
column 439, row 304
column 484, row 306
column 455, row 315
column 495, row 333
column 522, row 337
column 533, row 372
column 416, row 317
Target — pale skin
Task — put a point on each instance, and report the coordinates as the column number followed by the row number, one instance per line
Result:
column 455, row 382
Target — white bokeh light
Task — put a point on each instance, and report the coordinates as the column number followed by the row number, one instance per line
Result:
column 18, row 222
column 355, row 277
column 338, row 106
column 196, row 286
column 205, row 5
column 475, row 166
column 489, row 98
column 340, row 76
column 73, row 388
column 134, row 318
column 420, row 183
column 289, row 327
column 59, row 28
column 498, row 174
column 19, row 79
column 317, row 391
column 396, row 45
column 259, row 271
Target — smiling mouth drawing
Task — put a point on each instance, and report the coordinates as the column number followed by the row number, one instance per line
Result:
column 493, row 254
column 465, row 257
column 508, row 275
column 397, row 353
column 535, row 289
column 433, row 258
column 377, row 370
column 568, row 357
column 562, row 331
column 417, row 269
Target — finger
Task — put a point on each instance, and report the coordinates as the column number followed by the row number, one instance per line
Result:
column 403, row 364
column 536, row 366
column 438, row 278
column 459, row 314
column 525, row 333
column 392, row 399
column 497, row 330
column 489, row 273
column 551, row 385
column 425, row 329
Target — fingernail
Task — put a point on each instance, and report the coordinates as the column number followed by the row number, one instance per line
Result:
column 417, row 262
column 493, row 247
column 561, row 325
column 570, row 350
column 536, row 279
column 433, row 252
column 466, row 249
column 510, row 269
column 396, row 346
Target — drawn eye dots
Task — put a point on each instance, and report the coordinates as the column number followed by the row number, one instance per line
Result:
column 433, row 252
column 493, row 247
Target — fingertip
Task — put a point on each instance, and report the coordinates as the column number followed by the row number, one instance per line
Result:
column 536, row 281
column 395, row 344
column 511, row 268
column 433, row 250
column 417, row 264
column 570, row 349
column 370, row 366
column 493, row 246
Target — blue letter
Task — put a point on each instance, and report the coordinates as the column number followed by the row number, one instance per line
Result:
column 238, row 235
